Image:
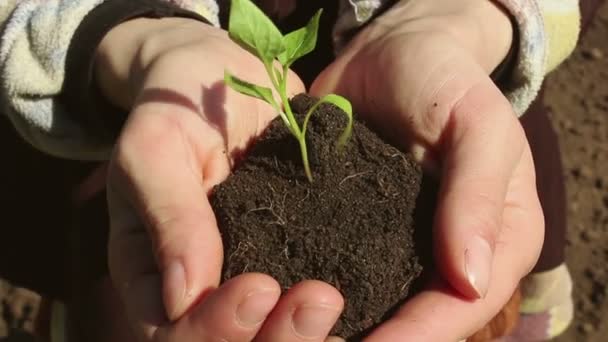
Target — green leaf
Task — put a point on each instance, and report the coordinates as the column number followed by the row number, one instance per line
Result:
column 341, row 103
column 249, row 27
column 300, row 42
column 250, row 89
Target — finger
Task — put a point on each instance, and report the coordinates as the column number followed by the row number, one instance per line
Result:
column 306, row 313
column 430, row 316
column 156, row 173
column 483, row 144
column 233, row 312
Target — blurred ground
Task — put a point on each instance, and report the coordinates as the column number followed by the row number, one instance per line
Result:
column 578, row 97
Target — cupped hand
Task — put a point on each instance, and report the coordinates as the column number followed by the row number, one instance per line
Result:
column 420, row 74
column 184, row 131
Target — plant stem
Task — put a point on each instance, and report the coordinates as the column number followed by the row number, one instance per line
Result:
column 275, row 84
column 272, row 75
column 283, row 93
column 294, row 128
column 303, row 149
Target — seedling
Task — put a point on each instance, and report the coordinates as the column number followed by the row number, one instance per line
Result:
column 251, row 29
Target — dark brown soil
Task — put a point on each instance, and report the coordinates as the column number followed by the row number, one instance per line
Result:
column 351, row 227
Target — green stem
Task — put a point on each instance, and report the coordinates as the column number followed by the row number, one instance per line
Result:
column 304, row 152
column 272, row 75
column 308, row 115
column 275, row 84
column 296, row 128
column 293, row 126
column 283, row 93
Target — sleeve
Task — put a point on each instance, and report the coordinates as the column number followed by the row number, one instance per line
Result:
column 42, row 41
column 547, row 32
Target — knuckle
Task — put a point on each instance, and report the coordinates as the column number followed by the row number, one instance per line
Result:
column 481, row 102
column 167, row 44
column 467, row 106
column 147, row 135
column 159, row 46
column 174, row 222
column 177, row 54
column 487, row 218
column 150, row 47
column 487, row 226
column 163, row 221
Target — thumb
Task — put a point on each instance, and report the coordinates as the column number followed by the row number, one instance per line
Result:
column 157, row 171
column 483, row 143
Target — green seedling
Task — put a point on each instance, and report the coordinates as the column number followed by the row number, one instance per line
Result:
column 251, row 29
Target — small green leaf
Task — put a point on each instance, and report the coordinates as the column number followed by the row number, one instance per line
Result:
column 341, row 103
column 300, row 42
column 250, row 89
column 249, row 27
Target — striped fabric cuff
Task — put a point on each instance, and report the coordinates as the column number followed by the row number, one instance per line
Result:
column 523, row 83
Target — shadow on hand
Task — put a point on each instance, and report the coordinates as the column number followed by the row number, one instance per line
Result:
column 212, row 110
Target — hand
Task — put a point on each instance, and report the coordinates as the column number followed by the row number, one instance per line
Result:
column 421, row 73
column 183, row 133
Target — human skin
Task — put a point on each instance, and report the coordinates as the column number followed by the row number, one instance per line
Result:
column 183, row 132
column 423, row 64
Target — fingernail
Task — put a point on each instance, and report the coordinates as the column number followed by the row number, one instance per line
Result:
column 174, row 288
column 478, row 265
column 256, row 305
column 314, row 321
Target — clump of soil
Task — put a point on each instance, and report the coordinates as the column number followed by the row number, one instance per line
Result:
column 352, row 227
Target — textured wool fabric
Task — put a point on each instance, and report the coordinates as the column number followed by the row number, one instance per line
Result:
column 547, row 308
